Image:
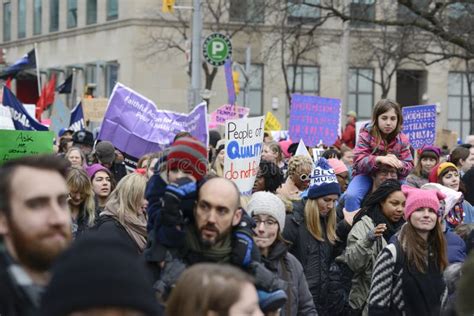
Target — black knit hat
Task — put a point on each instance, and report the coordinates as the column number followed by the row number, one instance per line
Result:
column 99, row 272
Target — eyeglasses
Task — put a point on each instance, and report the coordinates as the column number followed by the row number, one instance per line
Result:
column 305, row 177
column 266, row 223
column 385, row 173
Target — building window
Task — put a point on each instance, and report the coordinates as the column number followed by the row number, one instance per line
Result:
column 362, row 9
column 306, row 80
column 112, row 10
column 91, row 17
column 458, row 103
column 247, row 11
column 111, row 77
column 303, row 11
column 37, row 17
column 255, row 97
column 7, row 21
column 21, row 18
column 361, row 92
column 53, row 15
column 71, row 13
column 91, row 74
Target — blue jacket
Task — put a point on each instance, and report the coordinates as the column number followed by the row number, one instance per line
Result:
column 456, row 247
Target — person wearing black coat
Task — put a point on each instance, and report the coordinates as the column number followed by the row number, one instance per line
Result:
column 311, row 229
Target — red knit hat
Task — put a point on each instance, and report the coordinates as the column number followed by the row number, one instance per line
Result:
column 189, row 155
column 418, row 198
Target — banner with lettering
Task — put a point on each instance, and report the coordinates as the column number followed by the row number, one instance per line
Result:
column 314, row 119
column 227, row 112
column 76, row 122
column 419, row 123
column 22, row 120
column 271, row 122
column 17, row 144
column 134, row 125
column 244, row 143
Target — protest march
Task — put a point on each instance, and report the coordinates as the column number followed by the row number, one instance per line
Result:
column 324, row 201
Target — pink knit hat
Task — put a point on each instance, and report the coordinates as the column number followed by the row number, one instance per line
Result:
column 338, row 166
column 417, row 198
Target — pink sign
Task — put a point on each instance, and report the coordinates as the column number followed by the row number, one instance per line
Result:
column 227, row 112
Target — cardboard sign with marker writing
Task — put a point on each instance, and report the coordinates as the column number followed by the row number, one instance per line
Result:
column 94, row 109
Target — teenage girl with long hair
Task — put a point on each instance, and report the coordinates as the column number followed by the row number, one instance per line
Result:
column 408, row 275
column 380, row 142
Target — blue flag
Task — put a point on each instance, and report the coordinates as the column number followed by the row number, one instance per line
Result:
column 77, row 118
column 28, row 61
column 21, row 119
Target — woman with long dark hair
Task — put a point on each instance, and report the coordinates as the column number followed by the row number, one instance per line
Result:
column 380, row 218
column 408, row 275
column 428, row 158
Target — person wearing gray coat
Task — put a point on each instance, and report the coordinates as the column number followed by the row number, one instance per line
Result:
column 268, row 211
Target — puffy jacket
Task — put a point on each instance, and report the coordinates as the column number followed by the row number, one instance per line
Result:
column 289, row 269
column 315, row 257
column 360, row 255
column 366, row 151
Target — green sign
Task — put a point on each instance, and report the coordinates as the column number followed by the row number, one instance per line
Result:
column 15, row 144
column 217, row 49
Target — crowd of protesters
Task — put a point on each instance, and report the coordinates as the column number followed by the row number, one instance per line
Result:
column 371, row 228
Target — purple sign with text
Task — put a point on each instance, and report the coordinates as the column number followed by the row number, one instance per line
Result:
column 135, row 126
column 229, row 81
column 314, row 119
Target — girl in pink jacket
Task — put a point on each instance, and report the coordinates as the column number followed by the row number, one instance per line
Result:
column 380, row 142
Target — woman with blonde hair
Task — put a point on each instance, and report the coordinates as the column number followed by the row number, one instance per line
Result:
column 299, row 176
column 76, row 157
column 217, row 166
column 210, row 289
column 124, row 214
column 311, row 229
column 81, row 200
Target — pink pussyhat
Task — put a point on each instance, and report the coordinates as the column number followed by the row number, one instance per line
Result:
column 417, row 198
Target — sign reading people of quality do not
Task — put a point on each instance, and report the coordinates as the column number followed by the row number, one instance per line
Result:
column 244, row 143
column 419, row 123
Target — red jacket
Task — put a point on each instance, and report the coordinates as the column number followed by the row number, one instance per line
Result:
column 348, row 136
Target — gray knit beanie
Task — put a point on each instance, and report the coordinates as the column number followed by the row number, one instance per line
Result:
column 267, row 203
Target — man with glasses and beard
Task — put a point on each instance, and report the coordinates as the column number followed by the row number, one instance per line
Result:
column 35, row 227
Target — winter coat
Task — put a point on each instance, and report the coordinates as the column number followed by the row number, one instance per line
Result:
column 397, row 288
column 456, row 247
column 107, row 226
column 360, row 255
column 289, row 269
column 366, row 151
column 315, row 256
column 416, row 181
column 348, row 136
column 13, row 300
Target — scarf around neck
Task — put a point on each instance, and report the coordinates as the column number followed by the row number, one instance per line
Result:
column 220, row 252
column 134, row 224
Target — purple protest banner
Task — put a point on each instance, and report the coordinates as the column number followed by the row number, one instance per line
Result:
column 419, row 124
column 134, row 125
column 229, row 81
column 314, row 119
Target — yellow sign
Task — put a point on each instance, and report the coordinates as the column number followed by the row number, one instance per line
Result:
column 94, row 109
column 168, row 6
column 272, row 123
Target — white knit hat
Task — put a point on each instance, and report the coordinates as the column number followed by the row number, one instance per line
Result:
column 267, row 203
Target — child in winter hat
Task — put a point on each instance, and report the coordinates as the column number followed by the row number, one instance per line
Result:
column 266, row 203
column 323, row 181
column 418, row 198
column 189, row 155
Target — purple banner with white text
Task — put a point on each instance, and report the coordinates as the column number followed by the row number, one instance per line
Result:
column 314, row 119
column 135, row 126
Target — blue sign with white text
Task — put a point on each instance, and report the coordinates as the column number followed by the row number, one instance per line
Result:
column 419, row 124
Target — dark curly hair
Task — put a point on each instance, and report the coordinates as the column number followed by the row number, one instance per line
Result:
column 272, row 174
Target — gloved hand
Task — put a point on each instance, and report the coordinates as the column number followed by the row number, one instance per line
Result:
column 175, row 193
column 242, row 241
column 169, row 276
column 265, row 279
